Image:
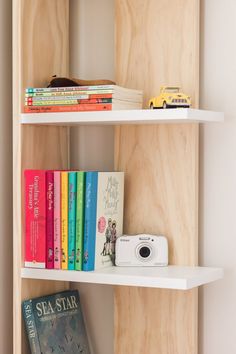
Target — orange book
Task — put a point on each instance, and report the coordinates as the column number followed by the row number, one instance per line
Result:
column 69, row 108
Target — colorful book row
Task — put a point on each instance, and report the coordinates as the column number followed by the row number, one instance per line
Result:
column 72, row 218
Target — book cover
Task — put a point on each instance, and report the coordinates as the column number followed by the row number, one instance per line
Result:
column 72, row 187
column 55, row 324
column 104, row 199
column 57, row 219
column 64, row 220
column 35, row 218
column 79, row 219
column 50, row 219
column 69, row 108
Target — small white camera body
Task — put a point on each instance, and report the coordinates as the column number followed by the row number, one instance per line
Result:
column 141, row 250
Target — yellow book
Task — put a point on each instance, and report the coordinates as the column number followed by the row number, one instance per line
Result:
column 64, row 220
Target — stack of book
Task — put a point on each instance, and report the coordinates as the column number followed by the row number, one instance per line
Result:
column 72, row 219
column 81, row 98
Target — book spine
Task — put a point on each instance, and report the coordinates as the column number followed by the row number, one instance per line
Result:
column 49, row 219
column 31, row 327
column 35, row 219
column 56, row 97
column 99, row 93
column 79, row 220
column 64, row 220
column 68, row 108
column 57, row 220
column 67, row 102
column 90, row 220
column 71, row 88
column 72, row 187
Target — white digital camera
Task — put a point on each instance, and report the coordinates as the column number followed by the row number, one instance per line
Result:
column 141, row 250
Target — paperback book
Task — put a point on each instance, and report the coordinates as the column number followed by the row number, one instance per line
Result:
column 55, row 324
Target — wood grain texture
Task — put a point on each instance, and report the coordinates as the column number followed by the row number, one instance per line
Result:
column 157, row 43
column 40, row 49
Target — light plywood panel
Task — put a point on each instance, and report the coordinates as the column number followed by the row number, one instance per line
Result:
column 161, row 197
column 161, row 184
column 40, row 49
column 157, row 43
column 156, row 321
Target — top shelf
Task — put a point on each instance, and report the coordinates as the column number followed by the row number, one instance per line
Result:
column 145, row 116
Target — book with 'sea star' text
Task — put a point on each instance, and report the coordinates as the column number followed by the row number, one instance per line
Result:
column 54, row 324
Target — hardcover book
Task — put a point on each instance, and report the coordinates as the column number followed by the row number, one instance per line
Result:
column 103, row 221
column 79, row 219
column 57, row 219
column 64, row 220
column 35, row 218
column 50, row 219
column 72, row 176
column 54, row 324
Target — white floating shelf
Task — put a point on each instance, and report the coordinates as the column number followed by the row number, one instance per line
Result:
column 171, row 277
column 145, row 116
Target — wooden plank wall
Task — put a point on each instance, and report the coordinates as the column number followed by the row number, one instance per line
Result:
column 157, row 43
column 40, row 50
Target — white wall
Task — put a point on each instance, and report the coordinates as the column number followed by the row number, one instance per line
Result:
column 6, row 180
column 218, row 176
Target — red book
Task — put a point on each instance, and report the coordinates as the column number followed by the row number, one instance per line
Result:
column 35, row 219
column 50, row 219
column 69, row 108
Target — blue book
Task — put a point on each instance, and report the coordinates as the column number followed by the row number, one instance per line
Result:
column 90, row 213
column 103, row 218
column 72, row 181
column 55, row 324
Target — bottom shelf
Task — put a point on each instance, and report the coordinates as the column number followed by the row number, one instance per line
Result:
column 171, row 277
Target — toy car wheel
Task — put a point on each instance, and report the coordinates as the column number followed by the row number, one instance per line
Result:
column 164, row 105
column 151, row 106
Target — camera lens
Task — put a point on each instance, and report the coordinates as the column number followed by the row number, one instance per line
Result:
column 144, row 252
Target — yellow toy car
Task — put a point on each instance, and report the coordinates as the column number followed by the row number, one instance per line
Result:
column 170, row 97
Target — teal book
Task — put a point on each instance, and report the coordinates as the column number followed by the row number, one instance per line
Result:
column 79, row 220
column 72, row 187
column 54, row 324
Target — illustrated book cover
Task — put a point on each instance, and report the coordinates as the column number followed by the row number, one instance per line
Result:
column 55, row 324
column 103, row 220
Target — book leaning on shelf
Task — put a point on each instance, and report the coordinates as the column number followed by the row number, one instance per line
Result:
column 81, row 98
column 54, row 324
column 72, row 218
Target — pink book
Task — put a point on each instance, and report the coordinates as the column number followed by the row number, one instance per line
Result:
column 35, row 219
column 50, row 219
column 57, row 219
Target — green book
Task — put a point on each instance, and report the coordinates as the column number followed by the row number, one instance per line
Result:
column 79, row 220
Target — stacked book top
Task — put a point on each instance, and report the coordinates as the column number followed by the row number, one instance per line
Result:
column 81, row 98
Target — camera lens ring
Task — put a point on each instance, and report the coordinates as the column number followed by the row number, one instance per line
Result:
column 144, row 251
